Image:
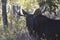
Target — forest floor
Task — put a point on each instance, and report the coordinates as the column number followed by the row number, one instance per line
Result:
column 14, row 32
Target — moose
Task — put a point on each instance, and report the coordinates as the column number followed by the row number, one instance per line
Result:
column 42, row 25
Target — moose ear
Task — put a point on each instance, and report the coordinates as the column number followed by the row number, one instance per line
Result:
column 37, row 12
column 24, row 12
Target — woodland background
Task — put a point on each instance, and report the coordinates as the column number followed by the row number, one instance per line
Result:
column 13, row 28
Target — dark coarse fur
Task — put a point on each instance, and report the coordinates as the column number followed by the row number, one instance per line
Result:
column 41, row 24
column 29, row 21
column 48, row 26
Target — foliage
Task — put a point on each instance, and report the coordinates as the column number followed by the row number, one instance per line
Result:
column 29, row 6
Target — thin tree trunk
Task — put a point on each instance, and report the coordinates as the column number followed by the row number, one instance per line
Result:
column 4, row 14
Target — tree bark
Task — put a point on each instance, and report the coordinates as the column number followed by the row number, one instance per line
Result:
column 4, row 14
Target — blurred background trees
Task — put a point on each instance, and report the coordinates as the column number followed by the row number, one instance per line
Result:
column 17, row 24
